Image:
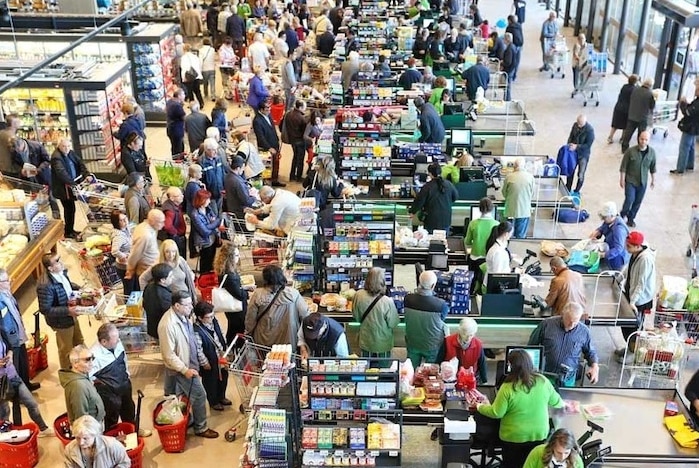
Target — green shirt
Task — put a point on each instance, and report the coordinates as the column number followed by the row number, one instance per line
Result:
column 376, row 332
column 518, row 189
column 477, row 235
column 534, row 460
column 636, row 167
column 244, row 10
column 436, row 100
column 524, row 416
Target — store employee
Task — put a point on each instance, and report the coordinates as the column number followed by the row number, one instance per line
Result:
column 322, row 336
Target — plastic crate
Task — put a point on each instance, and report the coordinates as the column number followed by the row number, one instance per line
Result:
column 172, row 436
column 135, row 455
column 24, row 454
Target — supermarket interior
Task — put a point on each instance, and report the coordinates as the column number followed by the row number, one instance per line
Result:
column 350, row 412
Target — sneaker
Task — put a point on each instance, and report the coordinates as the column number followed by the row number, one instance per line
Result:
column 631, row 223
column 48, row 432
column 144, row 432
column 276, row 183
column 208, row 434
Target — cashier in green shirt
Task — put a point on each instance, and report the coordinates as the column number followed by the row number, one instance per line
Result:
column 476, row 237
column 558, row 452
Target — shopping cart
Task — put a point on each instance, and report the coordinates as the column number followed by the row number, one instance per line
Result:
column 556, row 57
column 96, row 199
column 663, row 113
column 257, row 249
column 127, row 314
column 171, row 173
column 590, row 83
column 693, row 238
column 685, row 321
column 657, row 358
column 246, row 360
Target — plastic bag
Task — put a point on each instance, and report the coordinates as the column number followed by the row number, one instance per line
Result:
column 465, row 379
column 692, row 302
column 448, row 369
column 406, row 377
column 673, row 292
column 170, row 411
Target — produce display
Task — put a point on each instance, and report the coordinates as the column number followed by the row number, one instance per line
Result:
column 11, row 246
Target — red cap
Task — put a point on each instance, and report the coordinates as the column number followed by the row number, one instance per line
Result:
column 635, row 238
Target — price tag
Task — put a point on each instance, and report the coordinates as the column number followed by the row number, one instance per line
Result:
column 374, row 453
column 393, row 453
column 323, row 452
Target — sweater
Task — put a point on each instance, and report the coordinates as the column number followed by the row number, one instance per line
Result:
column 524, row 416
column 81, row 396
column 535, row 458
column 640, row 277
column 641, row 105
column 424, row 320
column 144, row 250
column 518, row 189
column 136, row 205
column 376, row 331
column 477, row 235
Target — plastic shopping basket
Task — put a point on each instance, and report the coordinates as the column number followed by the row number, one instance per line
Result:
column 136, row 454
column 61, row 426
column 172, row 436
column 24, row 454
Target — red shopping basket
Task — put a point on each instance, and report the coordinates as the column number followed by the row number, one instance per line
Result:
column 24, row 454
column 37, row 355
column 61, row 426
column 136, row 454
column 172, row 436
column 206, row 283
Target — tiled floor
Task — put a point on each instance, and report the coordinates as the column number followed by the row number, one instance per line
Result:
column 663, row 219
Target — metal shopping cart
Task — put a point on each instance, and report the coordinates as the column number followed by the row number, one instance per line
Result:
column 257, row 248
column 127, row 314
column 656, row 358
column 246, row 360
column 663, row 113
column 96, row 201
column 591, row 78
column 557, row 56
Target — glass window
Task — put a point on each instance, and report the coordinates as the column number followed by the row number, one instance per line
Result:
column 654, row 32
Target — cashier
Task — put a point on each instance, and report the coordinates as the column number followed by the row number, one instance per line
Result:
column 467, row 348
column 566, row 286
column 560, row 451
column 434, row 201
column 565, row 341
column 321, row 336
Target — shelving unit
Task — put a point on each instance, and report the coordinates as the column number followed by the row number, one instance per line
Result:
column 152, row 52
column 362, row 239
column 353, row 417
column 302, row 249
column 373, row 89
column 365, row 154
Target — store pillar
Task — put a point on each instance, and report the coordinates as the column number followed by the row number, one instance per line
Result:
column 641, row 42
column 578, row 18
column 591, row 21
column 602, row 46
column 620, row 39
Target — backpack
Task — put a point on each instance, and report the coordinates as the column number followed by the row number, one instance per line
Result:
column 190, row 75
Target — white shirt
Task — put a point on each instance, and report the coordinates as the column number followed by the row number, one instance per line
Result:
column 223, row 19
column 259, row 54
column 497, row 260
column 61, row 278
column 104, row 357
column 189, row 60
column 207, row 54
column 283, row 211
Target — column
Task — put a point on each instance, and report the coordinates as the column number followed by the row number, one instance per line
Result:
column 605, row 23
column 662, row 51
column 641, row 42
column 578, row 18
column 620, row 39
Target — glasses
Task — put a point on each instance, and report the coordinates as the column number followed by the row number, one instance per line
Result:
column 88, row 359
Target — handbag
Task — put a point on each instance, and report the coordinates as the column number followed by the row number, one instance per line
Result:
column 312, row 192
column 190, row 75
column 224, row 301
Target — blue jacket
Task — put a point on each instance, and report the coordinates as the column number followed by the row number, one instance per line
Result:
column 212, row 175
column 257, row 92
column 218, row 120
column 9, row 327
column 567, row 160
column 174, row 113
column 431, row 126
column 190, row 191
column 131, row 124
column 409, row 77
column 615, row 236
column 583, row 137
column 204, row 228
column 237, row 194
column 476, row 76
column 53, row 302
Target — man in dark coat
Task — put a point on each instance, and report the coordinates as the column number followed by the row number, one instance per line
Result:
column 296, row 126
column 641, row 108
column 689, row 126
column 498, row 48
column 195, row 124
column 34, row 153
column 212, row 21
column 157, row 297
column 514, row 28
column 235, row 29
column 67, row 170
column 267, row 139
column 322, row 336
column 175, row 114
column 476, row 76
column 53, row 291
column 509, row 60
column 580, row 140
column 431, row 126
column 237, row 190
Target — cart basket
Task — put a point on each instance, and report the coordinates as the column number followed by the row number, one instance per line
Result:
column 172, row 436
column 24, row 454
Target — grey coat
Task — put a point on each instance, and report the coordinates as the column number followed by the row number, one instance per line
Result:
column 641, row 105
column 281, row 322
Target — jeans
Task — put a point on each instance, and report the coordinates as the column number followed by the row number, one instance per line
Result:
column 417, row 355
column 631, row 127
column 194, row 390
column 582, row 168
column 508, row 88
column 20, row 359
column 26, row 399
column 521, row 227
column 209, row 83
column 518, row 57
column 633, row 196
column 685, row 158
column 299, row 148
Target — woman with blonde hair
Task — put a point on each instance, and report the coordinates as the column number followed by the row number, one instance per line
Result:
column 91, row 448
column 226, row 266
column 324, row 181
column 559, row 451
column 377, row 316
column 182, row 274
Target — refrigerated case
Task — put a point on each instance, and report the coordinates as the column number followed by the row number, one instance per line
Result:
column 152, row 53
column 83, row 104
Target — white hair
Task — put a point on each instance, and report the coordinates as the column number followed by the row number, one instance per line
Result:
column 210, row 143
column 467, row 327
column 213, row 132
column 428, row 279
column 86, row 425
column 572, row 309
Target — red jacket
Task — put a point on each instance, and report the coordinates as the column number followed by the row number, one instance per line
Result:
column 473, row 356
column 175, row 224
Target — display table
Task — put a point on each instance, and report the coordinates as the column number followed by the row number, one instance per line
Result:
column 29, row 262
column 636, row 432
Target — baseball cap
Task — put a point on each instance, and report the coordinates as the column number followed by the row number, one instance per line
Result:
column 237, row 162
column 635, row 238
column 608, row 209
column 312, row 325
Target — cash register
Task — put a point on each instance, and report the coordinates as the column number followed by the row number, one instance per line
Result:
column 503, row 296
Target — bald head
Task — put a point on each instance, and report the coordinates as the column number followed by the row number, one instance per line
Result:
column 518, row 164
column 156, row 219
column 581, row 120
column 427, row 280
column 266, row 193
column 557, row 265
column 174, row 193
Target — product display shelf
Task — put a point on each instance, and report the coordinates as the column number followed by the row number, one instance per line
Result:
column 272, row 437
column 152, row 53
column 352, row 417
column 365, row 155
column 372, row 89
column 42, row 113
column 361, row 239
column 303, row 252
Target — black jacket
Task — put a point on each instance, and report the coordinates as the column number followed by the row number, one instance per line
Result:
column 39, row 157
column 517, row 35
column 134, row 161
column 237, row 194
column 235, row 27
column 435, row 204
column 265, row 133
column 195, row 124
column 326, row 43
column 325, row 345
column 583, row 137
column 53, row 301
column 207, row 341
column 498, row 49
column 61, row 181
column 157, row 299
column 295, row 125
column 508, row 59
column 690, row 122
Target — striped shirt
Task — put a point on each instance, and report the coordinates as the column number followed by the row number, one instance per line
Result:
column 561, row 346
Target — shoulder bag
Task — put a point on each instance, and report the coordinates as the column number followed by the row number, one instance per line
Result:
column 313, row 192
column 370, row 308
column 224, row 301
column 264, row 312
